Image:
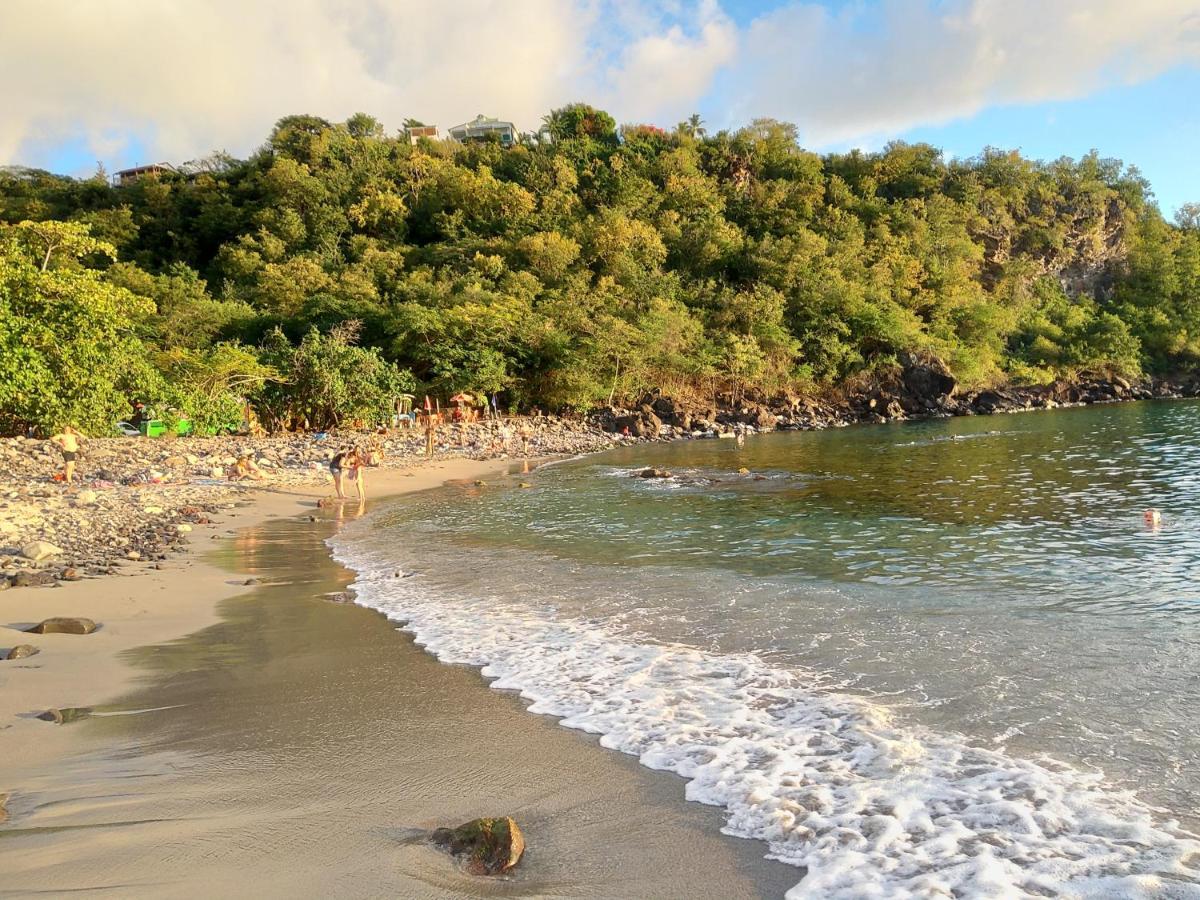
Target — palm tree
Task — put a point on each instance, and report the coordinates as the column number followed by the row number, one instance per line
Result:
column 693, row 127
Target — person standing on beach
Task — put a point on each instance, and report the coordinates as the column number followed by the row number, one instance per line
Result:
column 525, row 435
column 430, row 433
column 68, row 442
column 357, row 460
column 336, row 470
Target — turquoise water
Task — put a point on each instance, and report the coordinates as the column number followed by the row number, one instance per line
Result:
column 914, row 658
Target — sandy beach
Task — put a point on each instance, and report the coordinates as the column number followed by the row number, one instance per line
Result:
column 261, row 740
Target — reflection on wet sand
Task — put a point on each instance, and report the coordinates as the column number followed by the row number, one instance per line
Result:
column 301, row 747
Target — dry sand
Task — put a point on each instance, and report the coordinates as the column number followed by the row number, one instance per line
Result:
column 264, row 741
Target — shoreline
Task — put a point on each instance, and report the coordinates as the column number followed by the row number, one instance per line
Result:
column 139, row 607
column 599, row 823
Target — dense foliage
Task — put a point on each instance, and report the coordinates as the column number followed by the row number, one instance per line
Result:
column 340, row 265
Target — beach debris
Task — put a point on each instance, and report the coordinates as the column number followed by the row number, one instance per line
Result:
column 63, row 625
column 3, row 807
column 250, row 581
column 487, row 846
column 21, row 651
column 525, row 484
column 480, row 483
column 653, row 473
column 183, row 528
column 743, row 471
column 39, row 550
column 65, row 715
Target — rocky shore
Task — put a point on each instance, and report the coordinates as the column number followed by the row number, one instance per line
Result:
column 921, row 387
column 135, row 500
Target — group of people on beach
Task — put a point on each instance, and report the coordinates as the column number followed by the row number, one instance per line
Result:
column 349, row 462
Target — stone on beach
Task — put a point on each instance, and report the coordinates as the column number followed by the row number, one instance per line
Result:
column 22, row 651
column 63, row 625
column 488, row 846
column 40, row 550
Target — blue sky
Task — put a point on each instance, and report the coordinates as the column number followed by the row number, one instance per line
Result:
column 125, row 82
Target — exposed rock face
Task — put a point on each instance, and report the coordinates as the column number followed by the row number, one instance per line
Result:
column 486, row 846
column 22, row 651
column 64, row 625
column 926, row 377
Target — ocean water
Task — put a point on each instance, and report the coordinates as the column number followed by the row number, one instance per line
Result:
column 932, row 659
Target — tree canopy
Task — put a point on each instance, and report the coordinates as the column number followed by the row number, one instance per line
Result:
column 577, row 270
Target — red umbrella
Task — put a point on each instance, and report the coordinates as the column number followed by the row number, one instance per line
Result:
column 428, row 405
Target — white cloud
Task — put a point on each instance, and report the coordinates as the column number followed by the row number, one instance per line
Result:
column 876, row 70
column 183, row 77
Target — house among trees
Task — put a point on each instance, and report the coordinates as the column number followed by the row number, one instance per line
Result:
column 129, row 176
column 481, row 128
column 416, row 131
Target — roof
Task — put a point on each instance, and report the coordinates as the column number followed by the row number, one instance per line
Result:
column 482, row 121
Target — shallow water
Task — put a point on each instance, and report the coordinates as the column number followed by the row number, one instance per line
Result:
column 303, row 748
column 921, row 659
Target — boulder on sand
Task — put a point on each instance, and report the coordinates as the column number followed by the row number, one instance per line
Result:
column 39, row 550
column 21, row 651
column 64, row 625
column 487, row 846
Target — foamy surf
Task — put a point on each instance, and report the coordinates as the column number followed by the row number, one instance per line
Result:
column 868, row 806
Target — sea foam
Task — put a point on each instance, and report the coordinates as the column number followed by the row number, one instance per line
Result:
column 867, row 805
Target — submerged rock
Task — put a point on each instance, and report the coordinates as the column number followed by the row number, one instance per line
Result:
column 487, row 846
column 64, row 625
column 21, row 651
column 654, row 473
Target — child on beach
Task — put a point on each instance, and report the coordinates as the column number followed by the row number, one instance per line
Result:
column 68, row 442
column 245, row 468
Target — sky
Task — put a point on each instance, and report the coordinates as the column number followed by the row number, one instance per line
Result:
column 123, row 82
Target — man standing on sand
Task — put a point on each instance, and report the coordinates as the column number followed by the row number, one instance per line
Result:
column 68, row 442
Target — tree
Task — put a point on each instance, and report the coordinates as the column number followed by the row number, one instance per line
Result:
column 69, row 351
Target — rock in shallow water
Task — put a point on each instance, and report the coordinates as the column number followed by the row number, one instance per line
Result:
column 63, row 716
column 487, row 846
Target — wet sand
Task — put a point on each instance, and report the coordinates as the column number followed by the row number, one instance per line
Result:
column 295, row 746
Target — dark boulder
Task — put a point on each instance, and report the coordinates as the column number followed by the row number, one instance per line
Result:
column 64, row 625
column 486, row 846
column 653, row 473
column 33, row 579
column 926, row 376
